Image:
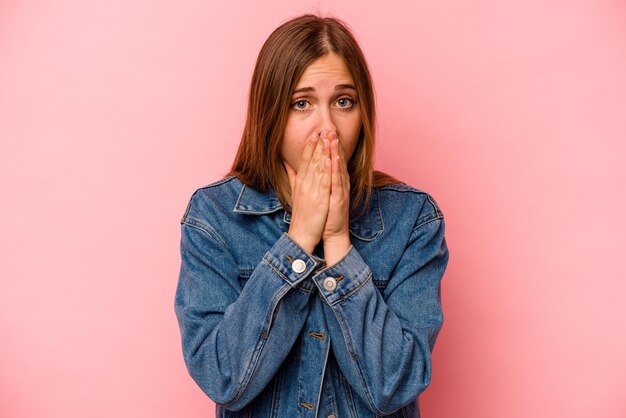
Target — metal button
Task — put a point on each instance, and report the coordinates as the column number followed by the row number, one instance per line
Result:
column 330, row 283
column 298, row 266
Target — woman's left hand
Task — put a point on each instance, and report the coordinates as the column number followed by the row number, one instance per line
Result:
column 336, row 235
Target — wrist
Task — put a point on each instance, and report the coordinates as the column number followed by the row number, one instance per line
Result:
column 336, row 248
column 302, row 242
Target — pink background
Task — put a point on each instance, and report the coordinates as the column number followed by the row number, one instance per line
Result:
column 512, row 114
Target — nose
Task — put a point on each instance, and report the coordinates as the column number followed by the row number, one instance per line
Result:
column 325, row 121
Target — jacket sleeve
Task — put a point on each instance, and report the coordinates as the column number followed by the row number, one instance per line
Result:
column 234, row 339
column 383, row 345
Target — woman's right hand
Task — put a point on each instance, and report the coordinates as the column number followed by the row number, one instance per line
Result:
column 310, row 192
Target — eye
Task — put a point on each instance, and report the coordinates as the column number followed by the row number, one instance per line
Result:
column 346, row 102
column 298, row 105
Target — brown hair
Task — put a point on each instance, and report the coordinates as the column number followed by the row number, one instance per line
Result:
column 283, row 58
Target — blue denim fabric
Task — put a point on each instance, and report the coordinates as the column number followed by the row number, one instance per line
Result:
column 264, row 338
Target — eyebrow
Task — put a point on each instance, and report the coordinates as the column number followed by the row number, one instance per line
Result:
column 337, row 87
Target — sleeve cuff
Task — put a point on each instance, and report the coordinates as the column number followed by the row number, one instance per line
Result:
column 292, row 262
column 343, row 278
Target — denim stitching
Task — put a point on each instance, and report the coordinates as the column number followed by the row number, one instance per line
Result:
column 246, row 209
column 402, row 188
column 276, row 270
column 354, row 290
column 348, row 342
column 434, row 204
column 217, row 183
column 256, row 354
column 303, row 290
column 382, row 222
column 278, row 385
column 319, row 394
column 426, row 222
column 265, row 333
column 349, row 397
column 214, row 236
column 206, row 228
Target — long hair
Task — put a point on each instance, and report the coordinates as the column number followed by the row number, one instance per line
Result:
column 288, row 51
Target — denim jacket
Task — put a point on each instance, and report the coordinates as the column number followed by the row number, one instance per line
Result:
column 269, row 330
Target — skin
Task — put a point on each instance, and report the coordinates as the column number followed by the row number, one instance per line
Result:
column 320, row 136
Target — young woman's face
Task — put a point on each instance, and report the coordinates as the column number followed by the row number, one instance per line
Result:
column 327, row 101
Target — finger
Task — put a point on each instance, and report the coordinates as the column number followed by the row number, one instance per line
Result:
column 326, row 165
column 326, row 149
column 325, row 155
column 326, row 176
column 316, row 159
column 307, row 152
column 335, row 172
column 342, row 170
column 343, row 165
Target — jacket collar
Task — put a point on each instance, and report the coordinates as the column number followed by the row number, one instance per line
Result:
column 366, row 228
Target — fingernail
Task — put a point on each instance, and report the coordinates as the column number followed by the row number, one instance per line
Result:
column 324, row 132
column 314, row 137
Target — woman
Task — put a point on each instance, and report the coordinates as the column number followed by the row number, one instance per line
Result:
column 310, row 284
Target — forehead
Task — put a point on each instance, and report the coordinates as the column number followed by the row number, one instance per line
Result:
column 330, row 68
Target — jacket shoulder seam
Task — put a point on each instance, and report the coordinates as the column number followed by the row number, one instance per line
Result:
column 433, row 214
column 402, row 187
column 217, row 183
column 206, row 228
column 426, row 220
column 208, row 186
